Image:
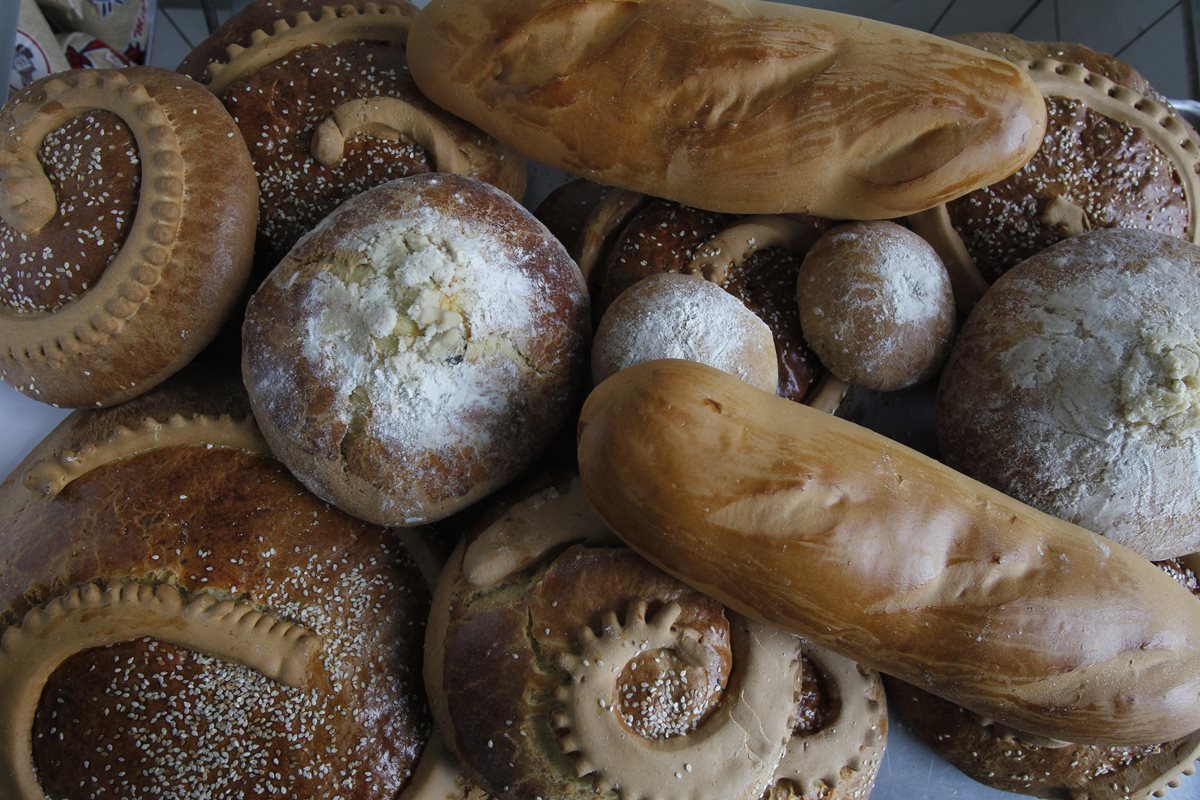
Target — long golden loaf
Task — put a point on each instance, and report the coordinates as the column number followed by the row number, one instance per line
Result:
column 738, row 106
column 886, row 556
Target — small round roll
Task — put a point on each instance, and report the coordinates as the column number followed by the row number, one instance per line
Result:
column 876, row 305
column 682, row 316
column 127, row 213
column 418, row 349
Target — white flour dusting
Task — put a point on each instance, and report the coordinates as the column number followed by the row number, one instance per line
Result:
column 679, row 316
column 1079, row 376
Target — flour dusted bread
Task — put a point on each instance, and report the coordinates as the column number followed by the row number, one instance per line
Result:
column 876, row 305
column 418, row 349
column 684, row 316
column 747, row 107
column 1075, row 387
column 178, row 616
column 925, row 574
column 127, row 211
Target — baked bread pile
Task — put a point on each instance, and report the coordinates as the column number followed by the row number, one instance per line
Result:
column 470, row 502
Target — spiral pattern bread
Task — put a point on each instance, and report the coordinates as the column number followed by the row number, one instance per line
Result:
column 562, row 665
column 322, row 93
column 217, row 628
column 127, row 210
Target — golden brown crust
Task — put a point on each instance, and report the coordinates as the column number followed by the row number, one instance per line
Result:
column 289, row 72
column 926, row 574
column 221, row 526
column 562, row 666
column 742, row 107
column 1115, row 155
column 436, row 290
column 183, row 259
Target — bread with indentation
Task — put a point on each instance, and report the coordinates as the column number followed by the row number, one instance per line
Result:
column 745, row 107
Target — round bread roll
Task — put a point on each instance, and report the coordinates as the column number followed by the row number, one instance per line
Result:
column 418, row 349
column 179, row 617
column 322, row 93
column 876, row 305
column 562, row 665
column 1013, row 761
column 1074, row 386
column 127, row 210
column 755, row 259
column 1114, row 155
column 683, row 316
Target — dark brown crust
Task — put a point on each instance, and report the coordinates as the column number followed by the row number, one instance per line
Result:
column 565, row 211
column 664, row 236
column 317, row 429
column 92, row 164
column 215, row 519
column 500, row 646
column 279, row 107
column 1107, row 167
column 995, row 758
column 208, row 264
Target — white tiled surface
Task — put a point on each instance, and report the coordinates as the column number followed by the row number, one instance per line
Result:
column 910, row 771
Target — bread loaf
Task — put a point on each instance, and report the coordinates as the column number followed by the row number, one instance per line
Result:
column 924, row 573
column 745, row 107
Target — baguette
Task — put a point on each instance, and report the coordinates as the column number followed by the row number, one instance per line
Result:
column 890, row 558
column 735, row 106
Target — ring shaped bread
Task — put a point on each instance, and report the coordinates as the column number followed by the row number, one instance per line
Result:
column 1106, row 124
column 418, row 349
column 603, row 674
column 1010, row 760
column 321, row 91
column 1074, row 386
column 177, row 612
column 127, row 209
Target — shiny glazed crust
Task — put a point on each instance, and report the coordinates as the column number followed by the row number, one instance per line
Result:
column 1107, row 124
column 927, row 574
column 846, row 118
column 211, row 593
column 185, row 256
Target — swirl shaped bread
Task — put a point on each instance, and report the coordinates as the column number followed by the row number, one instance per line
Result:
column 926, row 574
column 746, row 107
column 179, row 617
column 560, row 664
column 322, row 94
column 127, row 214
